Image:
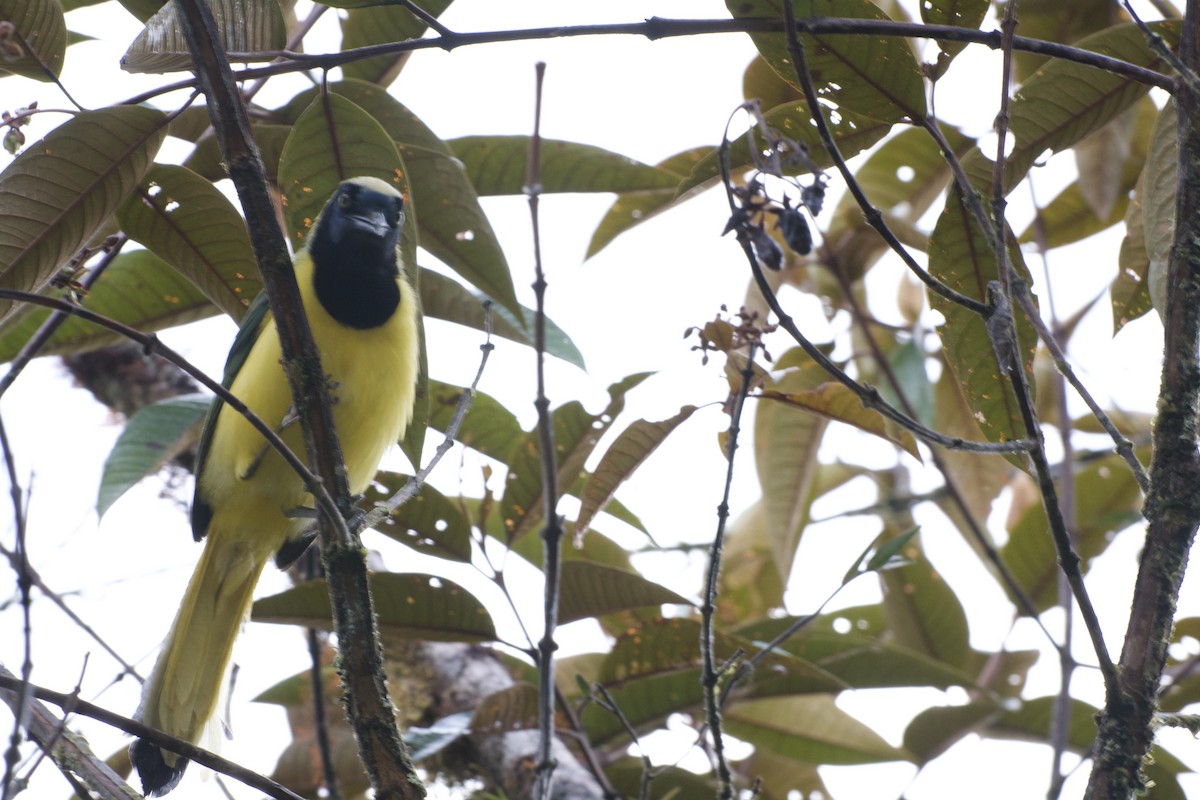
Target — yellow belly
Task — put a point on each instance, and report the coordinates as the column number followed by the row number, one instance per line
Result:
column 372, row 381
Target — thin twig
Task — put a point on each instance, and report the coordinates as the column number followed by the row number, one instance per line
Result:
column 710, row 677
column 590, row 757
column 410, row 489
column 872, row 214
column 10, row 684
column 52, row 323
column 21, row 565
column 1002, row 330
column 425, row 17
column 552, row 531
column 869, row 396
column 46, row 69
column 1123, row 445
column 1159, row 46
column 60, row 601
column 655, row 28
column 153, row 345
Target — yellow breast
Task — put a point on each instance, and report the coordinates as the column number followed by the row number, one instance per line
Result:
column 372, row 377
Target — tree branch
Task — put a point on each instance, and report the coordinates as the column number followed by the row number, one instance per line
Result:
column 1173, row 506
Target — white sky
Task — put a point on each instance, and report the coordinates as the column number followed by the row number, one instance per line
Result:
column 626, row 310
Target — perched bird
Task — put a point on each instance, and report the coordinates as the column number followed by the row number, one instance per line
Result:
column 249, row 503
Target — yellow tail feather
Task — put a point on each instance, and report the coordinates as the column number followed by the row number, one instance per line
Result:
column 182, row 694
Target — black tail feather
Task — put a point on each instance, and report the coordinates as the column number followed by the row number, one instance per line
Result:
column 158, row 777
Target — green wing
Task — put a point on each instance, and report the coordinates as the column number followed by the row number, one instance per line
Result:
column 243, row 343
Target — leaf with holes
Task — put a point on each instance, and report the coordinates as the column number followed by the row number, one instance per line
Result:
column 451, row 223
column 187, row 222
column 873, row 75
column 430, row 522
column 61, row 190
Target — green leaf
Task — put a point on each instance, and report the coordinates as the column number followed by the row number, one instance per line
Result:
column 1160, row 180
column 575, row 435
column 384, row 24
column 873, row 75
column 860, row 657
column 853, row 132
column 514, row 708
column 418, row 606
column 839, row 403
column 1107, row 500
column 879, row 554
column 61, row 190
column 488, row 427
column 635, row 207
column 498, row 165
column 152, row 437
column 450, row 222
column 446, row 299
column 667, row 782
column 593, row 590
column 1071, row 216
column 923, row 613
column 44, row 29
column 762, row 83
column 333, row 140
column 786, row 441
column 811, row 729
column 1130, row 289
column 206, row 159
column 978, row 479
column 429, row 523
column 138, row 289
column 425, row 742
column 963, row 13
column 186, row 221
column 246, row 27
column 630, row 450
column 1066, row 101
column 931, row 732
column 961, row 258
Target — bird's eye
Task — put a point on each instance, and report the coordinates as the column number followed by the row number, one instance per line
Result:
column 398, row 214
column 344, row 200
